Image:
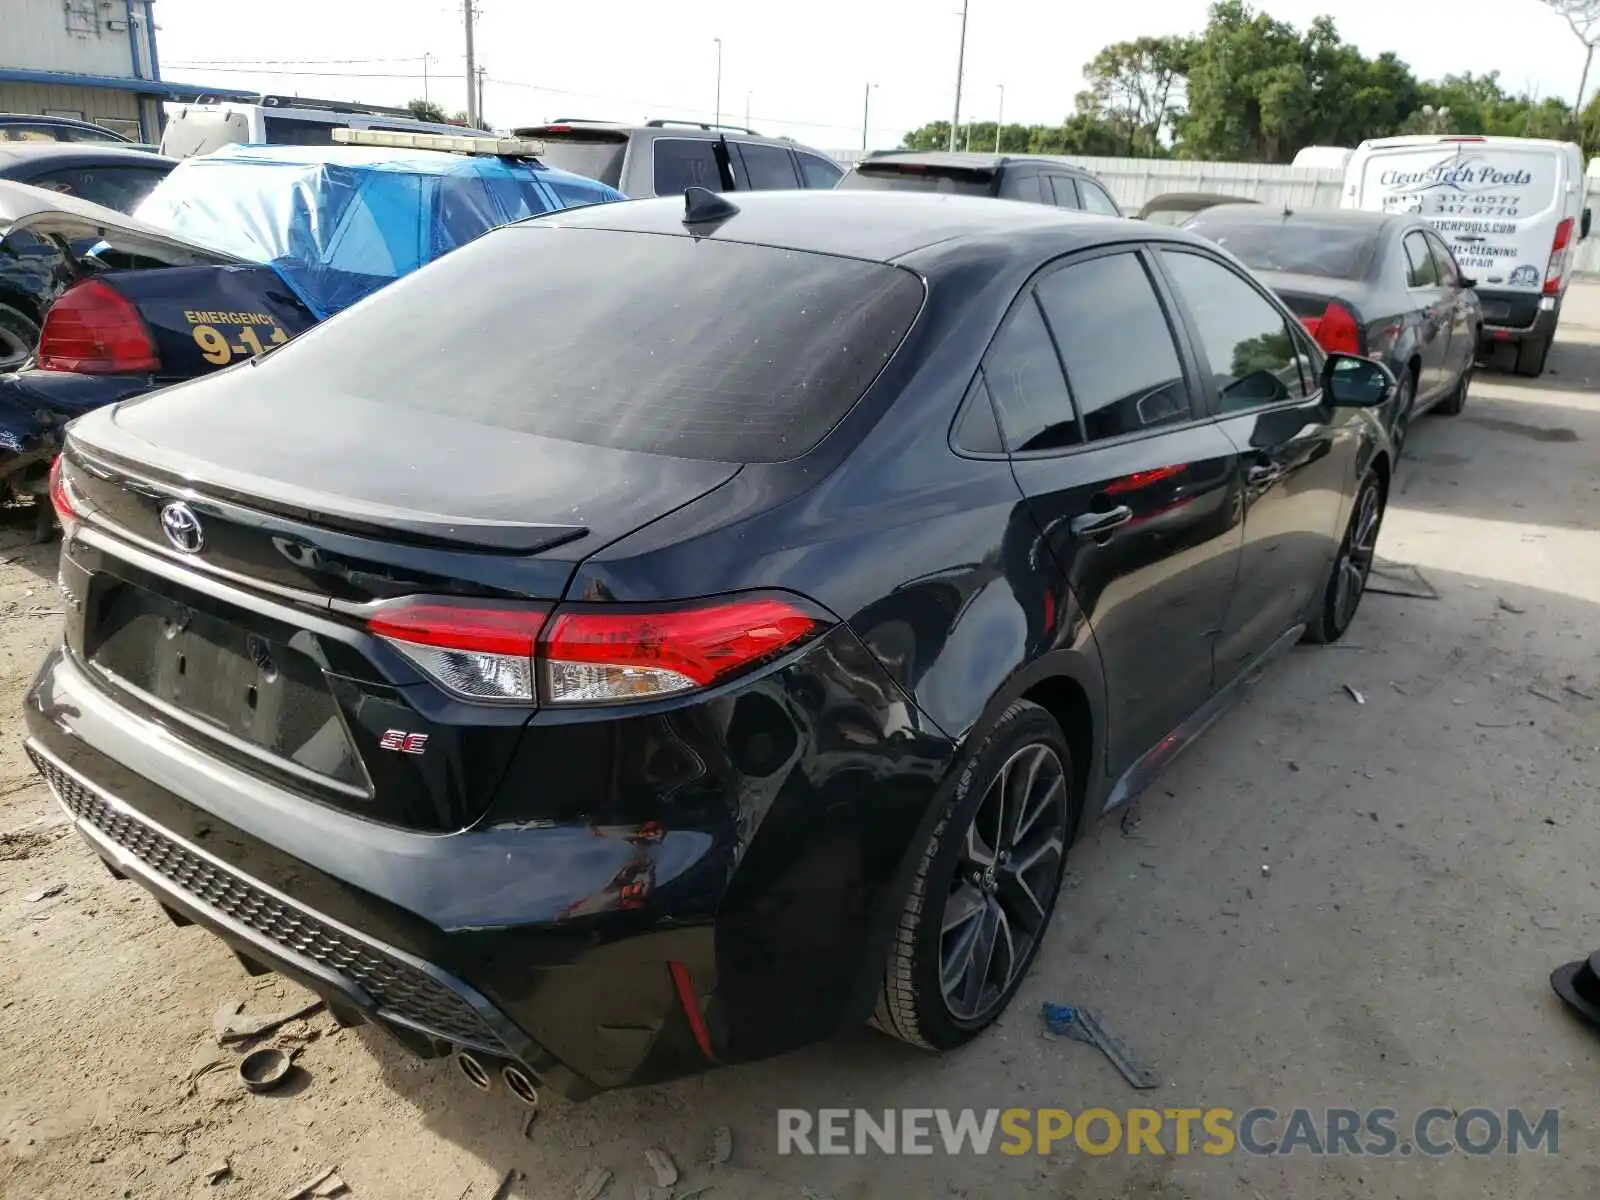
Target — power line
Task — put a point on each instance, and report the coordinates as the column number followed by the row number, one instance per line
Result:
column 249, row 62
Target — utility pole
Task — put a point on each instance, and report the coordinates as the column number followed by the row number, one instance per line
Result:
column 961, row 66
column 472, row 69
column 747, row 96
column 482, row 71
column 718, row 41
column 425, row 58
column 866, row 108
column 999, row 117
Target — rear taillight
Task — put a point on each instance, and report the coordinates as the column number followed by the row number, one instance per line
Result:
column 62, row 499
column 592, row 655
column 475, row 652
column 94, row 329
column 1336, row 330
column 1557, row 266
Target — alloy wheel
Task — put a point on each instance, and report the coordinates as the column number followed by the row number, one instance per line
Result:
column 1006, row 875
column 1355, row 561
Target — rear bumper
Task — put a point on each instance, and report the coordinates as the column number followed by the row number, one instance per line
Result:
column 753, row 918
column 1517, row 316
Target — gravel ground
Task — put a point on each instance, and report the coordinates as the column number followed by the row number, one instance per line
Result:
column 1430, row 853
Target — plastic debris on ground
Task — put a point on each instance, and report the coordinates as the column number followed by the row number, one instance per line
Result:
column 1086, row 1025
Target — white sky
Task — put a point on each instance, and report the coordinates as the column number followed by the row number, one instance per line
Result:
column 804, row 63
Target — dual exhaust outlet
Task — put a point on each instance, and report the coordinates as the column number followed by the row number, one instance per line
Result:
column 478, row 1068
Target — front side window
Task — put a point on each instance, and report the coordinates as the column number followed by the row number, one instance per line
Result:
column 682, row 163
column 1122, row 364
column 1444, row 263
column 1024, row 379
column 1420, row 271
column 1253, row 357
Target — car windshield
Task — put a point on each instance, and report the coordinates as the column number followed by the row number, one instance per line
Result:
column 1297, row 247
column 705, row 349
column 897, row 179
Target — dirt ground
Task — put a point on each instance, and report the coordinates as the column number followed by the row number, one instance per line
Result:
column 1431, row 856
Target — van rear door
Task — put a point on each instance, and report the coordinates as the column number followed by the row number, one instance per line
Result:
column 1495, row 203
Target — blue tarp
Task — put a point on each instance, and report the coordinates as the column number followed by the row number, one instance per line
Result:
column 339, row 222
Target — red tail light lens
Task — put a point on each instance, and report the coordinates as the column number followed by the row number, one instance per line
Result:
column 595, row 656
column 1557, row 266
column 94, row 329
column 61, row 498
column 477, row 653
column 1336, row 330
column 591, row 656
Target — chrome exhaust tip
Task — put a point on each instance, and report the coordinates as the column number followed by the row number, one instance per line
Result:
column 520, row 1084
column 477, row 1074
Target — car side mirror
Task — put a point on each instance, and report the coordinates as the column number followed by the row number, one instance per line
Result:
column 1468, row 283
column 1583, row 226
column 1350, row 381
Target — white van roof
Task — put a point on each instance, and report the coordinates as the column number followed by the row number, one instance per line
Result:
column 1438, row 139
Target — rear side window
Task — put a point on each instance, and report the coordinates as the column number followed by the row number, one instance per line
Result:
column 684, row 163
column 1062, row 191
column 1420, row 271
column 1122, row 363
column 1021, row 185
column 115, row 187
column 707, row 349
column 817, row 172
column 1024, row 379
column 1253, row 357
column 1095, row 199
column 767, row 168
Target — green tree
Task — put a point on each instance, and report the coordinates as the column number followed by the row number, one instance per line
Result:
column 1136, row 88
column 426, row 110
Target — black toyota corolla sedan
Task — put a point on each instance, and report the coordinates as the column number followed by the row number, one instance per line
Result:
column 663, row 634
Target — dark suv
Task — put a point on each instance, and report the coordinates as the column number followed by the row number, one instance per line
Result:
column 1029, row 177
column 662, row 158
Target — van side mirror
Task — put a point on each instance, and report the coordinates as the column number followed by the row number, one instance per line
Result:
column 1350, row 381
column 1583, row 227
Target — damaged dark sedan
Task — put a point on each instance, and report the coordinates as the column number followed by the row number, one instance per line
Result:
column 600, row 683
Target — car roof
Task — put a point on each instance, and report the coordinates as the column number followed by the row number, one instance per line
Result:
column 879, row 226
column 374, row 158
column 68, row 154
column 963, row 160
column 671, row 129
column 1325, row 218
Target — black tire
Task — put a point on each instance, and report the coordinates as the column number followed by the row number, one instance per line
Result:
column 913, row 1004
column 1452, row 404
column 1347, row 581
column 18, row 336
column 1531, row 356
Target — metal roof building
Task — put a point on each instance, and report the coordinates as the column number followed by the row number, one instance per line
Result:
column 90, row 59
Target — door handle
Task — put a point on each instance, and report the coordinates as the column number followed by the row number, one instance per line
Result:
column 1101, row 524
column 1263, row 476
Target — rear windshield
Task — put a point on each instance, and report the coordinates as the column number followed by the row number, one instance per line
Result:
column 695, row 348
column 600, row 160
column 879, row 179
column 1300, row 247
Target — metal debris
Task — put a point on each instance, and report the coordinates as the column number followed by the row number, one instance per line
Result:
column 721, row 1145
column 661, row 1163
column 1355, row 695
column 593, row 1184
column 1086, row 1025
column 55, row 889
column 230, row 1026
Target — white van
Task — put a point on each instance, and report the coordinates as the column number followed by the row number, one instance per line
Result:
column 1323, row 158
column 209, row 124
column 1511, row 209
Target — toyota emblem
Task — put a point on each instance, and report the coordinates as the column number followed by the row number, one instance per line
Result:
column 182, row 527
